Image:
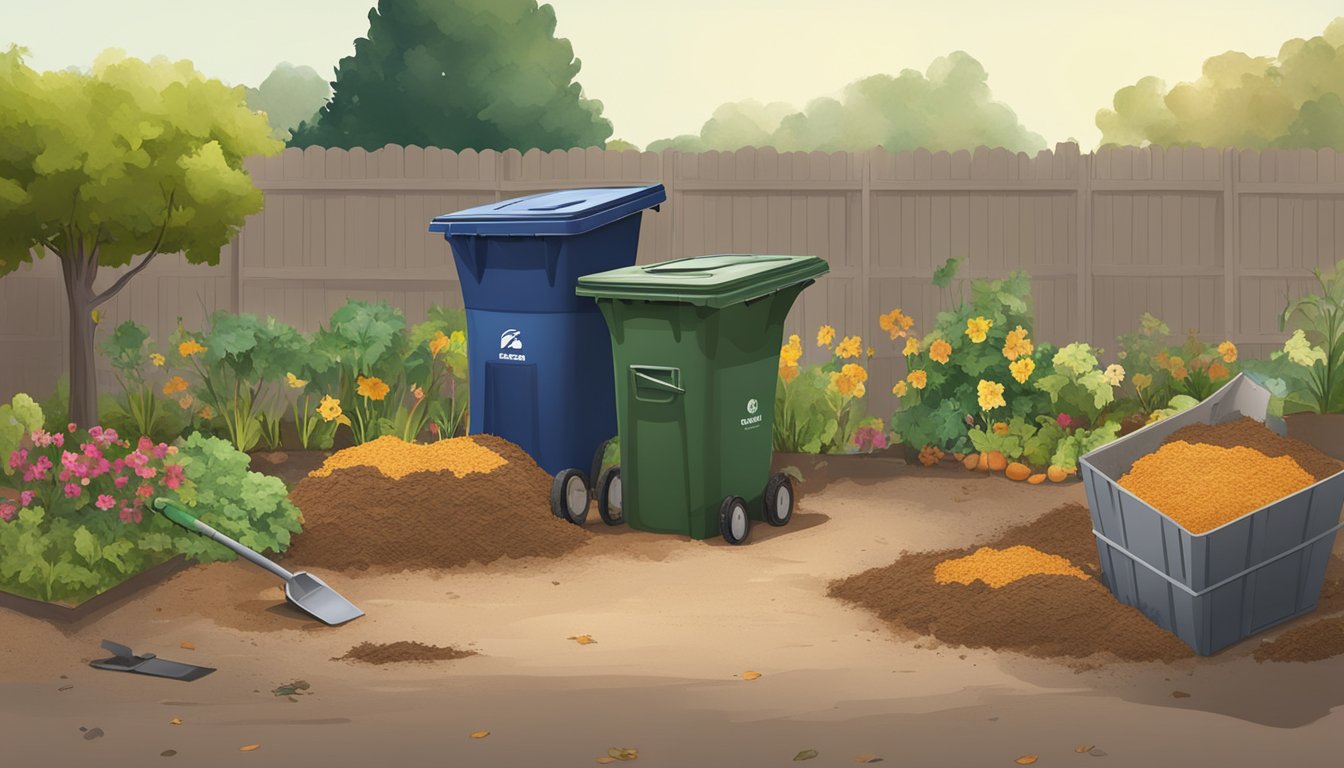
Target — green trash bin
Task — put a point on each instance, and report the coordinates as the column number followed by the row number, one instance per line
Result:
column 695, row 346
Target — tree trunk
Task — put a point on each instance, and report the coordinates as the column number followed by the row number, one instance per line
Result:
column 83, row 375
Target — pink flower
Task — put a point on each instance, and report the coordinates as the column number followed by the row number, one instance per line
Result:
column 103, row 437
column 18, row 459
column 43, row 464
column 101, row 468
column 880, row 441
column 173, row 476
column 69, row 460
column 64, row 476
column 105, row 502
column 1064, row 420
column 145, row 445
column 58, row 440
column 30, row 474
column 118, row 465
column 40, row 438
column 129, row 515
column 70, row 427
column 26, row 498
column 80, row 470
column 121, row 482
column 91, row 451
column 434, row 428
column 136, row 459
column 144, row 491
column 7, row 511
column 146, row 472
column 160, row 450
column 72, row 490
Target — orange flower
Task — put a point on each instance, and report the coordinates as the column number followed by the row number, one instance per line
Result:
column 189, row 348
column 372, row 388
column 939, row 351
column 1218, row 371
column 1000, row 428
column 175, row 385
column 918, row 379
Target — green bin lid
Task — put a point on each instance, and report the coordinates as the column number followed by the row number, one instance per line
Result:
column 715, row 281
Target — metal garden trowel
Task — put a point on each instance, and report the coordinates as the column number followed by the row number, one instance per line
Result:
column 307, row 592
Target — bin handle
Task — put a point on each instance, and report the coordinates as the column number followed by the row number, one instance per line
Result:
column 657, row 382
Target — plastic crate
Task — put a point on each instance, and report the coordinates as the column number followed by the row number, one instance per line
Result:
column 1216, row 588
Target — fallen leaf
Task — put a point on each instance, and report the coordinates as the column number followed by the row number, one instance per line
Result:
column 175, row 721
column 583, row 639
column 1083, row 748
column 604, row 760
column 65, row 687
column 867, row 757
column 1179, row 695
column 750, row 675
column 479, row 734
column 1025, row 760
column 93, row 733
column 188, row 645
column 806, row 754
column 249, row 748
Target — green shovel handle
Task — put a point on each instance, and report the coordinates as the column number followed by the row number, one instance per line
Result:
column 175, row 513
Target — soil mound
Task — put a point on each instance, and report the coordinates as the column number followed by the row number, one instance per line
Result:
column 1042, row 615
column 1317, row 640
column 357, row 517
column 401, row 651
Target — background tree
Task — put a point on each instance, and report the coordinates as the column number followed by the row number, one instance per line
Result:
column 289, row 96
column 459, row 74
column 949, row 107
column 132, row 159
column 1291, row 100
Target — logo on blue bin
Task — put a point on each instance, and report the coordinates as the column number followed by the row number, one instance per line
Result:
column 509, row 340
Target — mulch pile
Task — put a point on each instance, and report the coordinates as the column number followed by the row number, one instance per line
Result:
column 1046, row 616
column 1314, row 641
column 359, row 518
column 401, row 651
column 1249, row 433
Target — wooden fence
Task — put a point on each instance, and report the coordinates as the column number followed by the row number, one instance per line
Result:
column 1206, row 239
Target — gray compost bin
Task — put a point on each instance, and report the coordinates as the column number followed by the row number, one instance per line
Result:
column 1217, row 588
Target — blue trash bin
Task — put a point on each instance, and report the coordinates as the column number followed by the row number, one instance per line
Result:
column 539, row 357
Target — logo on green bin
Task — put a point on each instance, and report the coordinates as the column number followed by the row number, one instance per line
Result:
column 753, row 418
column 510, row 340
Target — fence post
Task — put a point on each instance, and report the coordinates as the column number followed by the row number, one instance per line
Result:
column 1231, row 252
column 865, row 162
column 1083, row 257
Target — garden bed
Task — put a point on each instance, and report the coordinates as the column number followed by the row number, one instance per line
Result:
column 65, row 613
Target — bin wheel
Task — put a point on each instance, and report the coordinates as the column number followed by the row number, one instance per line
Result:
column 609, row 501
column 569, row 496
column 597, row 464
column 734, row 523
column 779, row 500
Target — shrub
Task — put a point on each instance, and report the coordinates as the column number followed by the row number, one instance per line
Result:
column 820, row 408
column 1160, row 371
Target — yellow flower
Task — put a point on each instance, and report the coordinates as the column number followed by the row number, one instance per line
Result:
column 329, row 409
column 186, row 402
column 859, row 389
column 1178, row 372
column 870, row 351
column 295, row 382
column 457, row 340
column 189, row 347
column 900, row 389
column 854, row 372
column 1114, row 374
column 825, row 335
column 849, row 347
column 918, row 379
column 1000, row 428
column 1300, row 350
column 990, row 395
column 790, row 353
column 157, row 360
column 911, row 347
column 1229, row 352
column 1141, row 381
column 1022, row 369
column 437, row 344
column 372, row 388
column 1017, row 344
column 1218, row 371
column 841, row 383
column 175, row 385
column 977, row 328
column 896, row 323
column 939, row 351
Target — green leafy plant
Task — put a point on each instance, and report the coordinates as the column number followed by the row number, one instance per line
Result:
column 820, row 408
column 368, row 346
column 19, row 417
column 976, row 367
column 129, row 352
column 437, row 376
column 1308, row 373
column 1077, row 386
column 1159, row 370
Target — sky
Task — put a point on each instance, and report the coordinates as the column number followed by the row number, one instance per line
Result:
column 661, row 67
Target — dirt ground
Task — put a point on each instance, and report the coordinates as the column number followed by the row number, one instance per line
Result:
column 674, row 624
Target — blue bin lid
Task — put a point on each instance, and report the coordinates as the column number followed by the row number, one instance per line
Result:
column 565, row 212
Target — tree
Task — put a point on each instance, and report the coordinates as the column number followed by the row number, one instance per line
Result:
column 289, row 96
column 1290, row 100
column 132, row 159
column 459, row 74
column 949, row 107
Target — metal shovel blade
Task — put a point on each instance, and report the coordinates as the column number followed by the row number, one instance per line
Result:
column 311, row 594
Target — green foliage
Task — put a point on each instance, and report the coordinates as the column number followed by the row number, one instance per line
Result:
column 289, row 96
column 1159, row 370
column 459, row 74
column 820, row 408
column 949, row 107
column 1289, row 100
column 1011, row 440
column 72, row 555
column 1311, row 363
column 941, row 412
column 247, row 506
column 804, row 419
column 1081, row 441
column 1077, row 386
column 18, row 418
column 140, row 410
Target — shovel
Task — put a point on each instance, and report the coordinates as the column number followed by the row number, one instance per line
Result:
column 307, row 592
